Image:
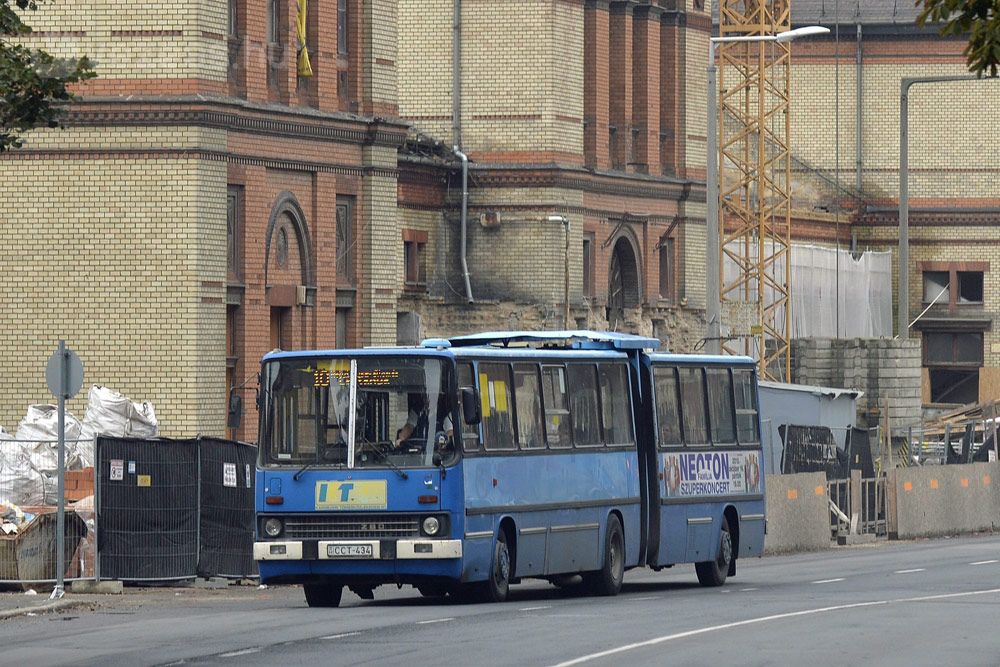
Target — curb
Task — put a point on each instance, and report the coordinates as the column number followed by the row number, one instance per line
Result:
column 56, row 605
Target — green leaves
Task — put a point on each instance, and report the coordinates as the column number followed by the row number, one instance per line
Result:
column 33, row 83
column 979, row 18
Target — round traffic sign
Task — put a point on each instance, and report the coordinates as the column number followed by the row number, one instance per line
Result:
column 64, row 373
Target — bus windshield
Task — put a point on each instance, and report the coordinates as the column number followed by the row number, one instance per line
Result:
column 403, row 416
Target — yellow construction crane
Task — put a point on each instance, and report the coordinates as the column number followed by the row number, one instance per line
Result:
column 755, row 182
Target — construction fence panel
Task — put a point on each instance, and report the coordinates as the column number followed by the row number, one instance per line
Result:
column 227, row 509
column 147, row 513
column 29, row 486
column 175, row 509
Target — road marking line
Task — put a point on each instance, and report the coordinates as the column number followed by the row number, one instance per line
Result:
column 747, row 590
column 828, row 581
column 548, row 606
column 648, row 597
column 246, row 651
column 985, row 562
column 436, row 620
column 341, row 636
column 764, row 619
column 916, row 569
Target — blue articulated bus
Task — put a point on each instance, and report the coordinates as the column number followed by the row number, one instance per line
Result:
column 465, row 465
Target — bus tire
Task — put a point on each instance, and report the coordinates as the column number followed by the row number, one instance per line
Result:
column 323, row 595
column 497, row 585
column 608, row 580
column 714, row 572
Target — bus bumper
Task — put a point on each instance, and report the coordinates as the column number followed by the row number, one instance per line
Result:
column 379, row 550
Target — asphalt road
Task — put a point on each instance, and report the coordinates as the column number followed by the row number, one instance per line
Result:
column 918, row 603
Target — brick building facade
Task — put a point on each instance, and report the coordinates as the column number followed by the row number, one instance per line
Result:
column 206, row 203
column 584, row 111
column 953, row 197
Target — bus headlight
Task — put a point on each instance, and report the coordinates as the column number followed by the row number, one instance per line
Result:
column 431, row 526
column 272, row 527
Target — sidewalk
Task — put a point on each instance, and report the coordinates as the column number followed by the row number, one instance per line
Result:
column 15, row 602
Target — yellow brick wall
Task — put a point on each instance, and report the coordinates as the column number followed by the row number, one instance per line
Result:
column 951, row 151
column 96, row 30
column 382, row 252
column 113, row 255
column 522, row 66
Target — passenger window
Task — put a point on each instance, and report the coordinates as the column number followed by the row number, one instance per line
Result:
column 528, row 404
column 583, row 404
column 693, row 406
column 720, row 403
column 494, row 395
column 557, row 427
column 616, row 405
column 746, row 407
column 668, row 415
column 470, row 432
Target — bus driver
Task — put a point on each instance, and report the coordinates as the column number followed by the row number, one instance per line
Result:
column 417, row 418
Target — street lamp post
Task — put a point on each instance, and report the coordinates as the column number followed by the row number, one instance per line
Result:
column 713, row 249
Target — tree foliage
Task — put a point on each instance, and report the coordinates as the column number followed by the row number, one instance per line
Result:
column 979, row 18
column 32, row 82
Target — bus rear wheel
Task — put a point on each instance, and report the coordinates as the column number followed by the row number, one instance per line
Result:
column 714, row 572
column 608, row 580
column 323, row 595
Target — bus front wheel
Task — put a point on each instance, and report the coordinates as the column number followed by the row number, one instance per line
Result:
column 608, row 580
column 496, row 587
column 323, row 595
column 714, row 572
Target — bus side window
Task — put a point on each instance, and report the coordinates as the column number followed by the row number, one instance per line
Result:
column 720, row 406
column 528, row 406
column 557, row 427
column 668, row 413
column 693, row 405
column 616, row 405
column 583, row 404
column 497, row 406
column 746, row 407
column 470, row 432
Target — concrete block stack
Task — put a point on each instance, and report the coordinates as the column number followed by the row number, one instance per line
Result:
column 884, row 369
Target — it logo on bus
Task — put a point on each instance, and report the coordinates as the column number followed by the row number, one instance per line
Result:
column 355, row 495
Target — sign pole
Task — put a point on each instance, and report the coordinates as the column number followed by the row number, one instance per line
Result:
column 64, row 376
column 59, row 590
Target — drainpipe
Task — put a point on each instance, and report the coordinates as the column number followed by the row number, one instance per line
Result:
column 456, row 129
column 858, row 117
column 465, row 221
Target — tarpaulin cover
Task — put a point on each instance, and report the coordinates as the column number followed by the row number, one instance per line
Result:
column 812, row 449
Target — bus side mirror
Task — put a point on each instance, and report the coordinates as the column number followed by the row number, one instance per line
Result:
column 470, row 406
column 235, row 410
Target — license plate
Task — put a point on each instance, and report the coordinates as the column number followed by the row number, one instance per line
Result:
column 349, row 551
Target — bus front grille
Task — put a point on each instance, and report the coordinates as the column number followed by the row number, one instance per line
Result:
column 368, row 526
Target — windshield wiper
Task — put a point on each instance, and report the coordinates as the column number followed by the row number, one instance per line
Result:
column 304, row 468
column 385, row 457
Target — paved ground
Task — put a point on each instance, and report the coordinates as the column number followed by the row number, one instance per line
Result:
column 925, row 602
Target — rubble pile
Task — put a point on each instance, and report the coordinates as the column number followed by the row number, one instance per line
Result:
column 29, row 460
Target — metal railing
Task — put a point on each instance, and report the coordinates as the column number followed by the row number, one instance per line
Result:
column 28, row 521
column 858, row 506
